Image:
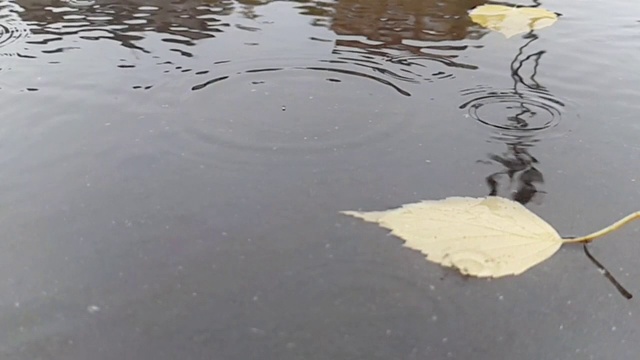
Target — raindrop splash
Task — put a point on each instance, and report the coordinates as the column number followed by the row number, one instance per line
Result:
column 509, row 110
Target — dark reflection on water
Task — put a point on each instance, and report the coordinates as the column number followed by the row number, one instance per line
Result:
column 517, row 116
column 530, row 107
column 520, row 168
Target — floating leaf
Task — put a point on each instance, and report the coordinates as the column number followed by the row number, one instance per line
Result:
column 511, row 21
column 484, row 237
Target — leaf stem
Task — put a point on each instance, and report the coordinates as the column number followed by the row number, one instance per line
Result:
column 613, row 227
column 607, row 274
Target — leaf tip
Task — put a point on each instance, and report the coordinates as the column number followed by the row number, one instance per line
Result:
column 372, row 216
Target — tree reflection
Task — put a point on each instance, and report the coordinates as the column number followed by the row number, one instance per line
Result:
column 519, row 167
column 391, row 24
column 128, row 21
column 395, row 21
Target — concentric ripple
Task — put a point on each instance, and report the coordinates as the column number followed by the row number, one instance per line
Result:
column 299, row 111
column 509, row 110
column 12, row 28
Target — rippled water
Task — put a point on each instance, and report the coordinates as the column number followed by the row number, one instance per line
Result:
column 172, row 173
column 12, row 28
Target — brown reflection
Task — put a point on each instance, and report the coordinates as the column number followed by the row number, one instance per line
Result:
column 392, row 41
column 395, row 21
column 407, row 27
column 127, row 21
column 391, row 24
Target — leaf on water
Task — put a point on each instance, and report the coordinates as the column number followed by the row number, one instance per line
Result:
column 511, row 21
column 484, row 237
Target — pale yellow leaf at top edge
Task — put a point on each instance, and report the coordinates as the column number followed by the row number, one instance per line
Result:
column 483, row 237
column 511, row 21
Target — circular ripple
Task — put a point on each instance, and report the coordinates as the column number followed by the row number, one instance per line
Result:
column 513, row 111
column 292, row 112
column 12, row 30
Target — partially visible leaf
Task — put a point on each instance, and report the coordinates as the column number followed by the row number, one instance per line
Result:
column 511, row 21
column 484, row 237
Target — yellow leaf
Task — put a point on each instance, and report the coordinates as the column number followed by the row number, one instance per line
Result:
column 484, row 237
column 511, row 21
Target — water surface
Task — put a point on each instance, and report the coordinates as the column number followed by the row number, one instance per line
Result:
column 172, row 175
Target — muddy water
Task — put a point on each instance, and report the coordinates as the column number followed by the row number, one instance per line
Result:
column 172, row 175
